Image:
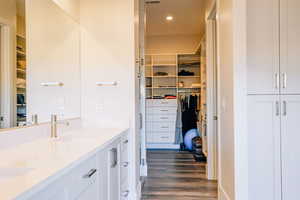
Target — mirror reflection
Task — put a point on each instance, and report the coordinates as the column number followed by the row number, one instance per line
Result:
column 21, row 64
column 39, row 43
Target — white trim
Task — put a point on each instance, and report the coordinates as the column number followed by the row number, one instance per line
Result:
column 7, row 69
column 212, row 155
column 240, row 99
column 222, row 194
column 163, row 146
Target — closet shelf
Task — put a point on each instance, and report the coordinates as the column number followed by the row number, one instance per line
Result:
column 164, row 65
column 164, row 87
column 188, row 76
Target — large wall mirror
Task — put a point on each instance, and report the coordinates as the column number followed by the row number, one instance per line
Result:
column 39, row 46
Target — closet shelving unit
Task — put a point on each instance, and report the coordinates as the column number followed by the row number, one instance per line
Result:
column 163, row 78
column 21, row 79
column 172, row 83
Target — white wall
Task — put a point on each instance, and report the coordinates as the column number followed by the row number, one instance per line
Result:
column 226, row 98
column 172, row 44
column 8, row 60
column 53, row 55
column 232, row 147
column 108, row 54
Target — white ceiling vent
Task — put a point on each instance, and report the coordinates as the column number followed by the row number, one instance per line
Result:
column 152, row 1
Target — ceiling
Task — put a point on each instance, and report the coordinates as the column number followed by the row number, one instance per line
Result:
column 188, row 17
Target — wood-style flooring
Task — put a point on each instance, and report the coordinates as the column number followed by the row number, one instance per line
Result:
column 174, row 175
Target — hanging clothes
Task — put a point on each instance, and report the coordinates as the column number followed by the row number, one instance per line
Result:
column 189, row 105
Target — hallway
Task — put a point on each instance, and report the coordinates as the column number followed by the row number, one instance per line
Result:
column 174, row 175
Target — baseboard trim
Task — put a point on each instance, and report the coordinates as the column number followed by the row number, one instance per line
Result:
column 223, row 194
column 163, row 146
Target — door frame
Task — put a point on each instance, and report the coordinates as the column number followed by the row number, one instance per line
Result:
column 7, row 74
column 143, row 147
column 212, row 94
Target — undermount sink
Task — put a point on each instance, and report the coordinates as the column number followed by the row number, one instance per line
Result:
column 6, row 173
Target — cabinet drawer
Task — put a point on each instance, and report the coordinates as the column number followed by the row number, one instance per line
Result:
column 161, row 127
column 161, row 103
column 161, row 138
column 162, row 111
column 83, row 176
column 161, row 118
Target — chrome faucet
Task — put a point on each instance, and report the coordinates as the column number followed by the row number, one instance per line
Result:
column 54, row 123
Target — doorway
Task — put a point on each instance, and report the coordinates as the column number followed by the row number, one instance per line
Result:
column 175, row 90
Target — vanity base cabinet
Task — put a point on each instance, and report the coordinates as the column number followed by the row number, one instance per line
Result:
column 81, row 182
column 103, row 175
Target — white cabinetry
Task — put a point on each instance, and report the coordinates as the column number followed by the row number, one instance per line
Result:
column 101, row 176
column 264, row 147
column 81, row 182
column 274, row 98
column 290, row 46
column 290, row 146
column 263, row 46
column 161, row 121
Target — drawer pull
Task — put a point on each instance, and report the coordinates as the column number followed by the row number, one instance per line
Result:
column 164, row 118
column 164, row 110
column 125, row 193
column 164, row 127
column 90, row 173
column 125, row 164
column 114, row 157
column 164, row 137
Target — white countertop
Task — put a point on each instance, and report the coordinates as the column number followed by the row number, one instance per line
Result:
column 28, row 165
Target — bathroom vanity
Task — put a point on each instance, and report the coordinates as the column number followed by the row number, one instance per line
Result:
column 86, row 164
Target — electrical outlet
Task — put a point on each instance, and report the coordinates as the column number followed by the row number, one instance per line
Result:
column 99, row 107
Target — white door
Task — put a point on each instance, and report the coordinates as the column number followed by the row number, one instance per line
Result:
column 290, row 147
column 264, row 147
column 263, row 46
column 290, row 46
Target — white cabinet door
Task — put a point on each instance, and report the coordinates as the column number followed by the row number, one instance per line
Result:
column 90, row 193
column 263, row 46
column 290, row 46
column 264, row 147
column 103, row 174
column 290, row 146
column 114, row 171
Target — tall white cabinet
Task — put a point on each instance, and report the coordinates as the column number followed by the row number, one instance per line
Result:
column 273, row 99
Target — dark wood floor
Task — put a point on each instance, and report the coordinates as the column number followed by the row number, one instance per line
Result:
column 174, row 175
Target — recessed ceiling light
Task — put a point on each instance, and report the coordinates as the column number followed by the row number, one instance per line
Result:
column 169, row 18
